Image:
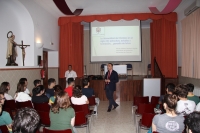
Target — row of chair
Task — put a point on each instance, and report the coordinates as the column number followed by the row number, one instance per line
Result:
column 145, row 110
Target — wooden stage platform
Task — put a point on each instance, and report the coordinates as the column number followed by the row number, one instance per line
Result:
column 126, row 88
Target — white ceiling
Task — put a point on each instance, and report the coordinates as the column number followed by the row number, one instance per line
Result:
column 94, row 7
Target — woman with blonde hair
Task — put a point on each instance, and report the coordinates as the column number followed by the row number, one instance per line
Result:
column 62, row 115
column 169, row 122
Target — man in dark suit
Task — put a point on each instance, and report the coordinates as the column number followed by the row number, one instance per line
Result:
column 111, row 78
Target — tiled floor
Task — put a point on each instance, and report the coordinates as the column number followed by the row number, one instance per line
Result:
column 116, row 121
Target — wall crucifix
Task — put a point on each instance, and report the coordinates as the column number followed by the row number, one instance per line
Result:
column 22, row 46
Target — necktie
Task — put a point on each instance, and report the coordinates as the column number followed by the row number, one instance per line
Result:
column 108, row 74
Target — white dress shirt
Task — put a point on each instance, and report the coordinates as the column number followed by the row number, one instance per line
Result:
column 27, row 91
column 70, row 74
column 22, row 97
column 7, row 96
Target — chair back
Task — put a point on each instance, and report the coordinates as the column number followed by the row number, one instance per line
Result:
column 129, row 66
column 154, row 99
column 138, row 100
column 44, row 118
column 102, row 66
column 145, row 108
column 24, row 104
column 4, row 129
column 10, row 104
column 45, row 130
column 91, row 101
column 41, row 107
column 149, row 66
column 149, row 108
column 147, row 119
column 84, row 108
column 80, row 118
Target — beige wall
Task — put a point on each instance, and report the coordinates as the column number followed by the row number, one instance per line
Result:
column 139, row 68
column 53, row 73
column 13, row 76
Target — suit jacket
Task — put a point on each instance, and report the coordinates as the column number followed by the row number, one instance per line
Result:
column 113, row 80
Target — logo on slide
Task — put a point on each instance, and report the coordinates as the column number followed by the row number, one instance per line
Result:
column 98, row 30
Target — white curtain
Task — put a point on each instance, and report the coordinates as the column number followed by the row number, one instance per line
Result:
column 191, row 45
column 139, row 68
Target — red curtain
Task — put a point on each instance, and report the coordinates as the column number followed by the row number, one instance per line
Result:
column 115, row 17
column 164, row 46
column 71, row 48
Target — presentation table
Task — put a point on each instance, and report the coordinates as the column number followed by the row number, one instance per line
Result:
column 120, row 69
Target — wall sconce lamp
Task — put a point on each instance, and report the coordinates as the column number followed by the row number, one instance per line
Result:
column 39, row 45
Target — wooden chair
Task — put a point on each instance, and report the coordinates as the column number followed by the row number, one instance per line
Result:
column 45, row 130
column 81, row 121
column 24, row 104
column 44, row 118
column 4, row 129
column 146, row 121
column 42, row 107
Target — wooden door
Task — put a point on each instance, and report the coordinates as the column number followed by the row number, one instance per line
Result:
column 45, row 67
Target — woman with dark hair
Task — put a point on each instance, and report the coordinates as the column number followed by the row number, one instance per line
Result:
column 38, row 95
column 77, row 97
column 20, row 95
column 57, row 89
column 169, row 122
column 5, row 87
column 62, row 116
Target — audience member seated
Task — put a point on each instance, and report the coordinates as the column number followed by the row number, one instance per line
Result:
column 88, row 92
column 26, row 85
column 70, row 87
column 78, row 98
column 62, row 115
column 190, row 95
column 192, row 121
column 50, row 90
column 38, row 95
column 184, row 106
column 26, row 121
column 37, row 82
column 170, row 121
column 20, row 95
column 57, row 89
column 169, row 89
column 5, row 87
column 5, row 118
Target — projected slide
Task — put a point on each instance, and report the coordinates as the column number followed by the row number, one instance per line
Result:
column 115, row 42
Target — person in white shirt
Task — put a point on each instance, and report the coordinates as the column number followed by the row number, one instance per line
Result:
column 70, row 74
column 26, row 84
column 184, row 106
column 20, row 95
column 78, row 98
column 5, row 87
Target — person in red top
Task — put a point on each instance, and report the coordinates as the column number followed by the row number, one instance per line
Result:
column 70, row 87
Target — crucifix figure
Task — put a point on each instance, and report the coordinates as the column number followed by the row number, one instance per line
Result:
column 22, row 46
